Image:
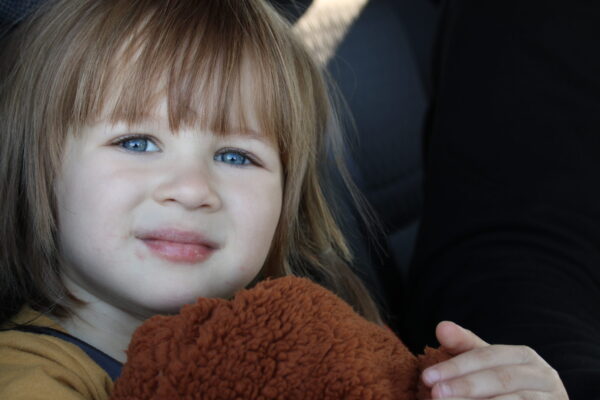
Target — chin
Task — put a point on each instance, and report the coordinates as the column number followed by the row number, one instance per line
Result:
column 169, row 300
column 165, row 304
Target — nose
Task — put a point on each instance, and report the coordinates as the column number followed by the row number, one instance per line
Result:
column 192, row 186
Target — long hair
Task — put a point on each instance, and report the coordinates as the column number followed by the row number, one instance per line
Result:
column 62, row 66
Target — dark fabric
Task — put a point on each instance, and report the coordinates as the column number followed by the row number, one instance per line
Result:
column 14, row 11
column 106, row 362
column 379, row 70
column 510, row 236
column 291, row 9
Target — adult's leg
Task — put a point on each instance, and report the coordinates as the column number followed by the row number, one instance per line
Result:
column 510, row 237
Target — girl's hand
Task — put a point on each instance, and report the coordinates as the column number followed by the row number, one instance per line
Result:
column 483, row 371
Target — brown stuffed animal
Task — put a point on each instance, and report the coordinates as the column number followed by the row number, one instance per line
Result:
column 285, row 338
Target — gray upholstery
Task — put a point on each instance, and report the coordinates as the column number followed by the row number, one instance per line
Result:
column 13, row 11
column 382, row 68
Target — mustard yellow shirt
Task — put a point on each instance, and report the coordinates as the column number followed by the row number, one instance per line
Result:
column 42, row 367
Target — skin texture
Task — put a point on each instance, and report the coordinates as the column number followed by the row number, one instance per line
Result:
column 483, row 371
column 114, row 188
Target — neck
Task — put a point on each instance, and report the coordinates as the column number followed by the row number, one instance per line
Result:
column 102, row 325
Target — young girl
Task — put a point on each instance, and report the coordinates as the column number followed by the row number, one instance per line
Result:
column 157, row 151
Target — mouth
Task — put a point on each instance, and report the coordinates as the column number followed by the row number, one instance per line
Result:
column 178, row 246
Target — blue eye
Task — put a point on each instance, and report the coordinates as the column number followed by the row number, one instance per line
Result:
column 138, row 144
column 233, row 158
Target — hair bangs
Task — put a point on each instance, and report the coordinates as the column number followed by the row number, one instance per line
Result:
column 215, row 72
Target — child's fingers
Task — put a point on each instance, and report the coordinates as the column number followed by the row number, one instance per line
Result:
column 528, row 395
column 479, row 359
column 525, row 395
column 494, row 382
column 457, row 339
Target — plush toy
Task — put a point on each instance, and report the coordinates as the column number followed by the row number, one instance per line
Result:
column 286, row 338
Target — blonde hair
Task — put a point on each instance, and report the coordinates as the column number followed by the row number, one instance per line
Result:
column 67, row 58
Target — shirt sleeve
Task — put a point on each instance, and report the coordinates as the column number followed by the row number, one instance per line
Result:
column 510, row 236
column 38, row 367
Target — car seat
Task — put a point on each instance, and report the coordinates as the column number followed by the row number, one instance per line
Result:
column 382, row 67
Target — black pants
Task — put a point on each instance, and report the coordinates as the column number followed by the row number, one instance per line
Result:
column 510, row 237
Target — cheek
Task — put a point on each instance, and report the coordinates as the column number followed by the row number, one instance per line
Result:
column 256, row 217
column 92, row 205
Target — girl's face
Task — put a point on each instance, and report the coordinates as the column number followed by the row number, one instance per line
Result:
column 150, row 220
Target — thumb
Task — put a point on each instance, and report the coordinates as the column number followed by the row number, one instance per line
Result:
column 457, row 339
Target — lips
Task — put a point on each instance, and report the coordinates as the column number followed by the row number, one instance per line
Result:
column 178, row 246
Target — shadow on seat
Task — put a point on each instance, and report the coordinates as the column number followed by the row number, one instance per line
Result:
column 381, row 65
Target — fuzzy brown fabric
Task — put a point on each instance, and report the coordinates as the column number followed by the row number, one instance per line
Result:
column 285, row 338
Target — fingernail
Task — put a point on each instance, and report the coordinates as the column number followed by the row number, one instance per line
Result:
column 431, row 376
column 444, row 390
